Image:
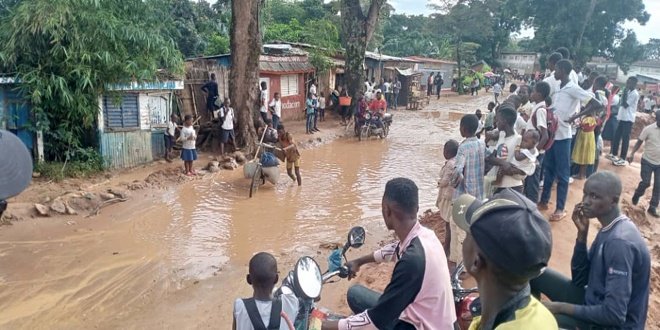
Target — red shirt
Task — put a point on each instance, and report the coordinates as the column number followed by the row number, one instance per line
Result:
column 378, row 106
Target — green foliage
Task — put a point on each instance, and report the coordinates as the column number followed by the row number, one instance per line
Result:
column 65, row 52
column 291, row 32
column 217, row 44
column 558, row 26
column 84, row 163
column 628, row 52
column 652, row 50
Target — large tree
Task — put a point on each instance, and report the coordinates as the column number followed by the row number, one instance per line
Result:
column 66, row 52
column 244, row 74
column 587, row 27
column 357, row 29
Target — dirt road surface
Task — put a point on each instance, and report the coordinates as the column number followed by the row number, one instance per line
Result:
column 175, row 254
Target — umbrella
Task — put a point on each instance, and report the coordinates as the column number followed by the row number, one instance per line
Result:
column 15, row 165
column 507, row 71
column 488, row 74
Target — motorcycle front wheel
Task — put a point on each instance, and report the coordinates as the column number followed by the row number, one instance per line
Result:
column 364, row 133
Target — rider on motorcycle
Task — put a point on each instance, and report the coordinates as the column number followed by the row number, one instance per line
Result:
column 419, row 295
column 361, row 113
column 378, row 107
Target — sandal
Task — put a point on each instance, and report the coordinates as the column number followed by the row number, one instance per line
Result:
column 558, row 217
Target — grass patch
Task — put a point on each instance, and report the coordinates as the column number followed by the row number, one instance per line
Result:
column 88, row 162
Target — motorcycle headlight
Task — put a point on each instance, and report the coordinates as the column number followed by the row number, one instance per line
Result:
column 367, row 116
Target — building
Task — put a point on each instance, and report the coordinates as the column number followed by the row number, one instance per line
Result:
column 647, row 72
column 16, row 117
column 130, row 125
column 286, row 70
column 132, row 122
column 380, row 66
column 520, row 62
column 431, row 65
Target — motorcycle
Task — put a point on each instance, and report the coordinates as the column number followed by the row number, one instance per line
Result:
column 465, row 301
column 370, row 127
column 306, row 282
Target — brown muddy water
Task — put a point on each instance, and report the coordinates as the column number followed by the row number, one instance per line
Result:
column 177, row 258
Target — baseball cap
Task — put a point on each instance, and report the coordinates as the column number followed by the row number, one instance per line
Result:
column 509, row 231
column 15, row 165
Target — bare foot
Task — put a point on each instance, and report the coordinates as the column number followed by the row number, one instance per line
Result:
column 543, row 207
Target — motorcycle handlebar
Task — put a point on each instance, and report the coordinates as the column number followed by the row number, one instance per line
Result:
column 342, row 272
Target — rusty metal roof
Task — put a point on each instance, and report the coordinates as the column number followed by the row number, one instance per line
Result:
column 285, row 66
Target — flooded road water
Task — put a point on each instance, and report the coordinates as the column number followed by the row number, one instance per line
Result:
column 177, row 258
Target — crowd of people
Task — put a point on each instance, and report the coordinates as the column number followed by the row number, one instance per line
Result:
column 492, row 189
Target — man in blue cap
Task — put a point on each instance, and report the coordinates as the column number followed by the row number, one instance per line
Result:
column 508, row 243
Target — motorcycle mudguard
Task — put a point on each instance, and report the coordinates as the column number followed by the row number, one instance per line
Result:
column 334, row 260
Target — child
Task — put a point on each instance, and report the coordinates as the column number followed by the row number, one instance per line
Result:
column 454, row 238
column 169, row 137
column 321, row 107
column 584, row 153
column 292, row 155
column 489, row 124
column 228, row 126
column 310, row 106
column 189, row 137
column 262, row 307
column 525, row 156
column 480, row 129
column 468, row 176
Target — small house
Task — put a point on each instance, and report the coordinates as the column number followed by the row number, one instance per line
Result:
column 16, row 117
column 132, row 121
column 431, row 65
column 521, row 62
column 286, row 70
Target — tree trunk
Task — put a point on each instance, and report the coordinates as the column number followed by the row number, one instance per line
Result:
column 459, row 81
column 357, row 30
column 587, row 19
column 244, row 74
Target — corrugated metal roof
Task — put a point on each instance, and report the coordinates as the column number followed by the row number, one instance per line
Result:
column 431, row 60
column 285, row 66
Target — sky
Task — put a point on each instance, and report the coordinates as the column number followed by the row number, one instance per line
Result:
column 644, row 33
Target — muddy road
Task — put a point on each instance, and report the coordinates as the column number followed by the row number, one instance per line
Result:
column 176, row 258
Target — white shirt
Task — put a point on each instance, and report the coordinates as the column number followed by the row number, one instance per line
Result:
column 186, row 134
column 565, row 102
column 321, row 102
column 277, row 105
column 520, row 125
column 388, row 87
column 312, row 89
column 289, row 307
column 628, row 114
column 506, row 146
column 497, row 89
column 574, row 77
column 228, row 113
column 171, row 128
column 527, row 165
column 541, row 118
column 649, row 103
column 264, row 100
column 554, row 83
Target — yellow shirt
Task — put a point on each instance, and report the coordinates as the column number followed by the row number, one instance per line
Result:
column 533, row 316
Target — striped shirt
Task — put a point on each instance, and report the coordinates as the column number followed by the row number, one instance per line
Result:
column 470, row 161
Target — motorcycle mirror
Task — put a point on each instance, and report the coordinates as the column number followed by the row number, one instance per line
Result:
column 356, row 237
column 307, row 278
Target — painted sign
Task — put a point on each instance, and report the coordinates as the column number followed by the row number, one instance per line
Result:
column 147, row 86
column 289, row 105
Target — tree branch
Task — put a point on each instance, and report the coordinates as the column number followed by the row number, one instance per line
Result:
column 372, row 17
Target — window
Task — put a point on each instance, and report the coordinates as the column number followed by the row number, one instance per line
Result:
column 121, row 111
column 289, row 85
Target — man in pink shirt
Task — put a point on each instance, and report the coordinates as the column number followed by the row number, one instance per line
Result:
column 419, row 295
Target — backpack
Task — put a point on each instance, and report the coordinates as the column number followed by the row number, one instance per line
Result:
column 255, row 317
column 552, row 124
